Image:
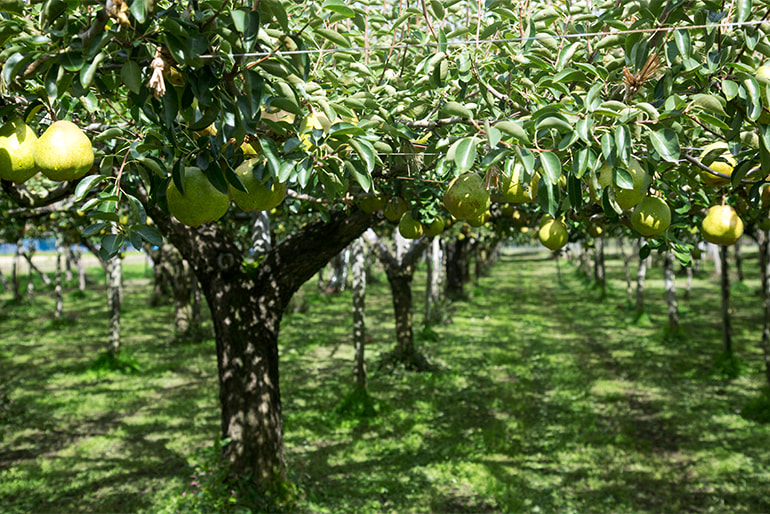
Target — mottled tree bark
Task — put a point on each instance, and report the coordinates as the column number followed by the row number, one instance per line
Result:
column 246, row 307
column 725, row 283
column 600, row 275
column 670, row 287
column 58, row 289
column 359, row 312
column 764, row 266
column 626, row 271
column 16, row 272
column 457, row 261
column 399, row 269
column 114, row 272
column 641, row 274
column 433, row 283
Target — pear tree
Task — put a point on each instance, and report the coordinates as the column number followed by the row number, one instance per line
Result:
column 378, row 98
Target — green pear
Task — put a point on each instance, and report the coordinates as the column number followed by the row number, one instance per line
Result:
column 17, row 148
column 64, row 152
column 201, row 201
column 258, row 197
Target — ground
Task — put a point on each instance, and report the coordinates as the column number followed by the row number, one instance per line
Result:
column 542, row 399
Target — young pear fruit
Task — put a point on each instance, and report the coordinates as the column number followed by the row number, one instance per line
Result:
column 651, row 217
column 258, row 197
column 395, row 208
column 201, row 201
column 466, row 198
column 553, row 234
column 514, row 190
column 435, row 227
column 409, row 227
column 64, row 152
column 17, row 151
column 722, row 225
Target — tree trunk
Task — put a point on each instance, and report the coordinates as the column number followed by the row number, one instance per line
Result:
column 670, row 286
column 261, row 239
column 16, row 272
column 359, row 312
column 688, row 285
column 626, row 272
column 81, row 269
column 599, row 269
column 433, row 283
column 641, row 274
column 764, row 266
column 246, row 307
column 32, row 268
column 457, row 252
column 114, row 272
column 59, row 297
column 339, row 269
column 739, row 260
column 401, row 290
column 726, row 323
column 30, row 280
column 4, row 281
column 399, row 269
column 68, row 258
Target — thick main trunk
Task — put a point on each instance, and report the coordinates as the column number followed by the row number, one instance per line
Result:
column 246, row 329
column 725, row 283
column 246, row 305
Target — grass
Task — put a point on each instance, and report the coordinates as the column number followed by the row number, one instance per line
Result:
column 543, row 399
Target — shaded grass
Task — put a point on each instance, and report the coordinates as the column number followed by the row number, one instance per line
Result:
column 543, row 398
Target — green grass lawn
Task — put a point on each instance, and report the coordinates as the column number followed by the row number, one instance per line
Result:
column 542, row 399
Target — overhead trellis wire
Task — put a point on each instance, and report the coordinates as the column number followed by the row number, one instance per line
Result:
column 469, row 42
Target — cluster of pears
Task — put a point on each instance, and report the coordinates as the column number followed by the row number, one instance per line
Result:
column 62, row 153
column 200, row 202
column 397, row 210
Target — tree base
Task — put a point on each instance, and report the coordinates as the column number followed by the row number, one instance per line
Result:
column 414, row 361
column 357, row 405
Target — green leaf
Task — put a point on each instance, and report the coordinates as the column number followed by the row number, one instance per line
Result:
column 85, row 185
column 366, row 151
column 682, row 39
column 131, row 76
column 111, row 244
column 334, row 36
column 151, row 234
column 666, row 143
column 753, row 98
column 622, row 178
column 515, row 130
column 339, row 7
column 623, row 143
column 71, row 61
column 551, row 166
column 743, row 10
column 93, row 229
column 464, row 153
column 139, row 10
column 270, row 150
column 361, row 175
